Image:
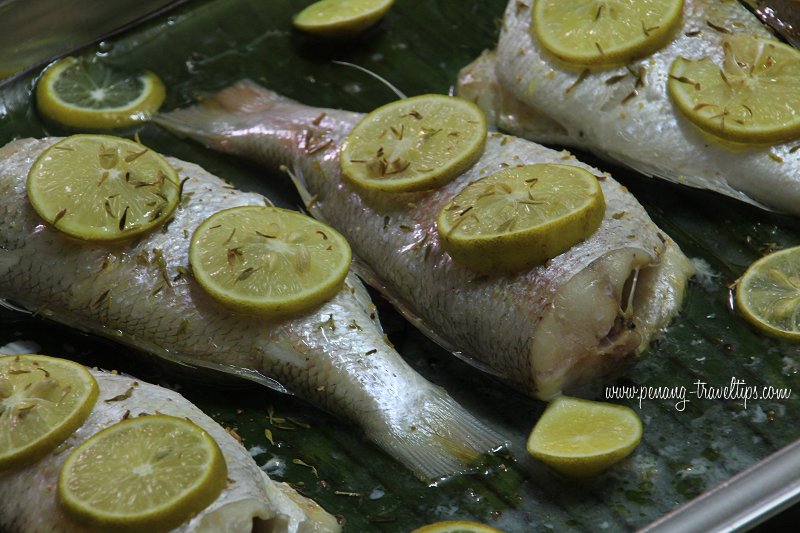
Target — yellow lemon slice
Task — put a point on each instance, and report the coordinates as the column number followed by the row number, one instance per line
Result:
column 414, row 144
column 754, row 96
column 581, row 438
column 43, row 400
column 768, row 294
column 268, row 261
column 604, row 32
column 102, row 188
column 519, row 217
column 341, row 18
column 456, row 526
column 142, row 474
column 89, row 95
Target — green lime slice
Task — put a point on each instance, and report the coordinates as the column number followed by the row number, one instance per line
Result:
column 90, row 95
column 43, row 400
column 268, row 261
column 102, row 188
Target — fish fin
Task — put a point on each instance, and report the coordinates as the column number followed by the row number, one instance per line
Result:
column 697, row 182
column 309, row 200
column 369, row 276
column 441, row 440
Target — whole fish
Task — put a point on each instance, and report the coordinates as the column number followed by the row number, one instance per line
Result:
column 555, row 327
column 142, row 294
column 250, row 501
column 625, row 114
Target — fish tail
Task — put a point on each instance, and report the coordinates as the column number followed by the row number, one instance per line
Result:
column 442, row 439
column 220, row 120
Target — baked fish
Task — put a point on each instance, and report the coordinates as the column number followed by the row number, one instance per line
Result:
column 250, row 502
column 142, row 294
column 555, row 327
column 625, row 114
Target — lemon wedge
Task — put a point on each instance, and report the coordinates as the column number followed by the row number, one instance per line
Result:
column 268, row 261
column 102, row 188
column 581, row 438
column 768, row 294
column 142, row 474
column 456, row 526
column 43, row 400
column 414, row 144
column 89, row 95
column 521, row 216
column 753, row 97
column 341, row 18
column 604, row 33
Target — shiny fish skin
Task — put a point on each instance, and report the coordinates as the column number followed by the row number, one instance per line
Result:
column 334, row 356
column 639, row 126
column 251, row 501
column 554, row 327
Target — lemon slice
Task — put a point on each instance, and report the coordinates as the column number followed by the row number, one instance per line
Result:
column 414, row 144
column 151, row 472
column 768, row 294
column 268, row 261
column 341, row 18
column 604, row 32
column 581, row 438
column 519, row 217
column 754, row 96
column 102, row 188
column 456, row 526
column 88, row 95
column 42, row 401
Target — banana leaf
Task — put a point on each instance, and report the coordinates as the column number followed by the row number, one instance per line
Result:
column 419, row 47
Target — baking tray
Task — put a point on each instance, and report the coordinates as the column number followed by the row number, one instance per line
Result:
column 420, row 46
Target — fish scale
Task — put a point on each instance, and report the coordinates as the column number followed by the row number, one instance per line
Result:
column 529, row 93
column 555, row 327
column 250, row 499
column 111, row 290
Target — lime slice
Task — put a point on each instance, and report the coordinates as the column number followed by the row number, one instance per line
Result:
column 341, row 18
column 89, row 95
column 456, row 526
column 520, row 217
column 768, row 294
column 604, row 32
column 151, row 472
column 414, row 144
column 43, row 400
column 97, row 187
column 268, row 261
column 581, row 438
column 753, row 97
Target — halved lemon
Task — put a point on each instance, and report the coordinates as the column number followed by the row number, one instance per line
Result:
column 581, row 438
column 768, row 294
column 456, row 526
column 102, row 188
column 752, row 97
column 341, row 18
column 603, row 32
column 89, row 95
column 520, row 217
column 43, row 400
column 268, row 261
column 142, row 474
column 414, row 144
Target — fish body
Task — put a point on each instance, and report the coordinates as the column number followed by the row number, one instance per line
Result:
column 142, row 294
column 625, row 114
column 250, row 501
column 555, row 327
